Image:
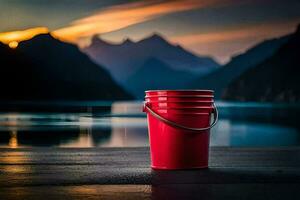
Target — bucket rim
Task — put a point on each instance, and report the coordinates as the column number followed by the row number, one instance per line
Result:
column 180, row 90
column 180, row 96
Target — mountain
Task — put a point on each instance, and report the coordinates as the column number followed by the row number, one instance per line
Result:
column 219, row 79
column 46, row 68
column 274, row 80
column 122, row 60
column 14, row 76
column 155, row 74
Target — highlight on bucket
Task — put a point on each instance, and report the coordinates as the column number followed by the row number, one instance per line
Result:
column 179, row 123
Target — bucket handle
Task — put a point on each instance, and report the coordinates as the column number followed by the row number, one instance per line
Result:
column 174, row 124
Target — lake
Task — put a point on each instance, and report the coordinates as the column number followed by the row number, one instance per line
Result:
column 122, row 124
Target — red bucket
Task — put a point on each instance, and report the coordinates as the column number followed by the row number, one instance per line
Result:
column 179, row 134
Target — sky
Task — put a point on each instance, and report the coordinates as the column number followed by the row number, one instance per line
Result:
column 216, row 28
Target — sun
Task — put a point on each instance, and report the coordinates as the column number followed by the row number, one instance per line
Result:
column 13, row 44
column 13, row 38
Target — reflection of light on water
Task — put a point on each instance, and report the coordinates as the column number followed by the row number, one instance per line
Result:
column 13, row 140
column 220, row 134
column 126, row 125
column 126, row 107
column 10, row 120
column 128, row 132
column 85, row 122
column 235, row 133
column 85, row 139
column 36, row 119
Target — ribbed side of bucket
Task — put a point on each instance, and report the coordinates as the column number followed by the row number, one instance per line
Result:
column 150, row 93
column 173, row 148
column 188, row 105
column 180, row 99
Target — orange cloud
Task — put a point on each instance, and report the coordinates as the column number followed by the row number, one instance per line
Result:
column 14, row 37
column 237, row 34
column 112, row 18
column 121, row 16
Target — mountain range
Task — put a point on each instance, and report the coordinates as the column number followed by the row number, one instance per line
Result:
column 275, row 79
column 131, row 61
column 221, row 78
column 44, row 68
column 154, row 74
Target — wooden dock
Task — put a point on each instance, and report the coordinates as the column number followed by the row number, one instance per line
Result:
column 124, row 173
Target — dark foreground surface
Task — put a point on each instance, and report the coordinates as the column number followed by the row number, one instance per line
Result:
column 124, row 173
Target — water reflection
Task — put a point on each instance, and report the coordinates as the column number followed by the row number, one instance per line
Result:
column 238, row 133
column 124, row 125
column 129, row 132
column 13, row 140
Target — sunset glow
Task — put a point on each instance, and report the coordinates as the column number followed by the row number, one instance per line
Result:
column 14, row 37
column 118, row 17
column 13, row 141
column 13, row 44
column 263, row 31
column 217, row 28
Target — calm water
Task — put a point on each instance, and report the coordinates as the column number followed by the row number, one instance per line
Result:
column 122, row 124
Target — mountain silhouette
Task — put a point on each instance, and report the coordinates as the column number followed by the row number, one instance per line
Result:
column 124, row 59
column 221, row 78
column 46, row 68
column 155, row 74
column 15, row 77
column 274, row 80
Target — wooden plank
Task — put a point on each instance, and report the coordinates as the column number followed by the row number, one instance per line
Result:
column 51, row 166
column 161, row 192
column 111, row 192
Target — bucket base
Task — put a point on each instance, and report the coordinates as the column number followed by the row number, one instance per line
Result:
column 188, row 168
